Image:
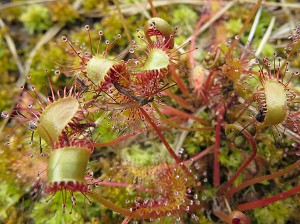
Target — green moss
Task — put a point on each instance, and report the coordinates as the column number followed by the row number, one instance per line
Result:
column 49, row 57
column 36, row 18
column 112, row 26
column 108, row 163
column 143, row 155
column 184, row 16
column 51, row 212
column 268, row 149
column 7, row 63
column 230, row 158
column 9, row 195
column 277, row 212
column 233, row 26
column 7, row 92
column 62, row 12
column 94, row 4
column 9, row 74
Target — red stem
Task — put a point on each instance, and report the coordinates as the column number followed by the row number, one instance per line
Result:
column 182, row 102
column 167, row 145
column 172, row 110
column 202, row 19
column 152, row 8
column 222, row 216
column 118, row 184
column 262, row 178
column 117, row 140
column 176, row 121
column 160, row 135
column 126, row 220
column 246, row 163
column 266, row 201
column 199, row 156
column 179, row 82
column 208, row 84
column 216, row 175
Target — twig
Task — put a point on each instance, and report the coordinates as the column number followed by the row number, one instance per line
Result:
column 282, row 32
column 127, row 9
column 143, row 9
column 290, row 15
column 154, row 13
column 266, row 37
column 245, row 25
column 12, row 48
column 274, row 4
column 46, row 38
column 53, row 31
column 252, row 31
column 213, row 19
column 16, row 4
column 123, row 21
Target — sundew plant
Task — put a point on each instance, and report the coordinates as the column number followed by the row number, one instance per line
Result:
column 150, row 111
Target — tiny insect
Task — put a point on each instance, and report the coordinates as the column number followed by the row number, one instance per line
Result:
column 260, row 116
column 227, row 89
column 32, row 125
column 141, row 101
column 81, row 85
column 137, row 101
